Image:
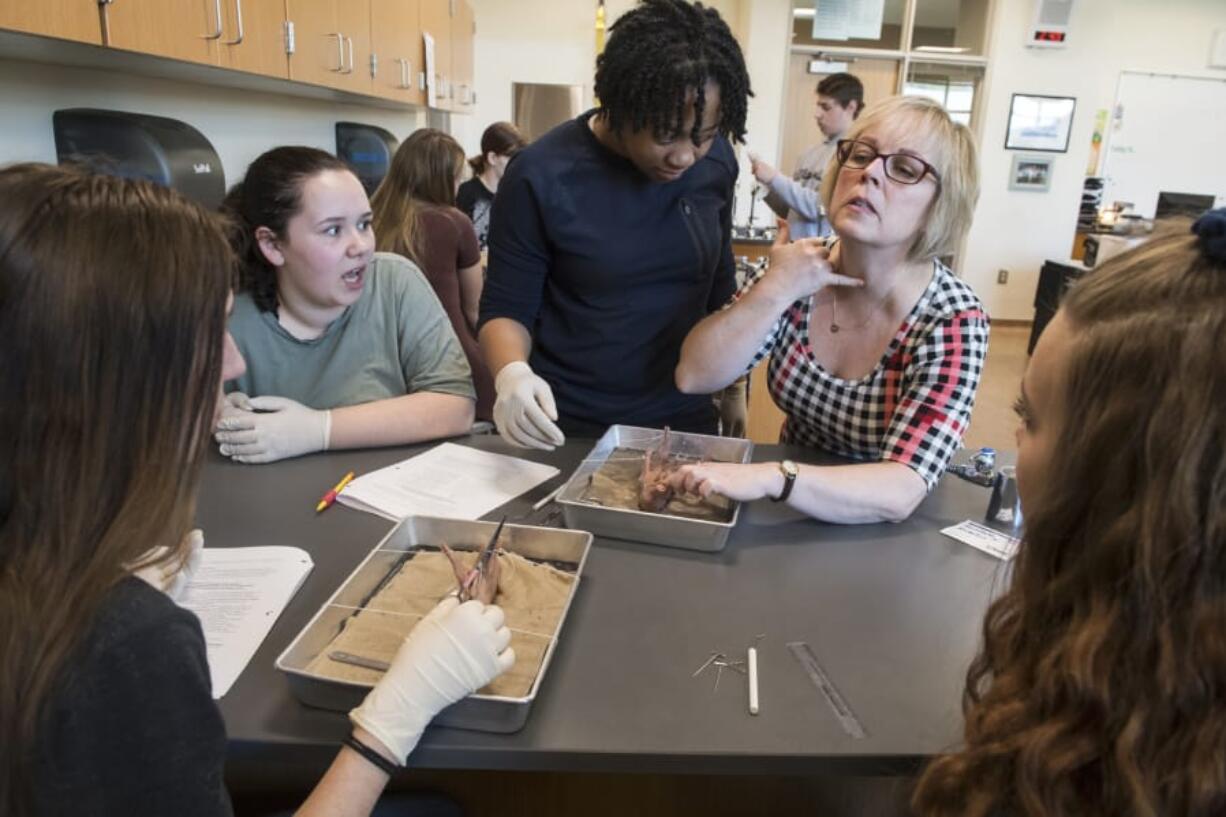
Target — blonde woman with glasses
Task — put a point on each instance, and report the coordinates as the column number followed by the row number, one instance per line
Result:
column 875, row 348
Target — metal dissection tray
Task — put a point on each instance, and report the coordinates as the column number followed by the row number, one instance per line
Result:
column 564, row 549
column 643, row 526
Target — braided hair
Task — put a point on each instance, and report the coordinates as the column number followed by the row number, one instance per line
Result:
column 660, row 51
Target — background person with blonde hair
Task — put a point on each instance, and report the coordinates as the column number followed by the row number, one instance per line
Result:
column 1098, row 691
column 415, row 216
column 875, row 347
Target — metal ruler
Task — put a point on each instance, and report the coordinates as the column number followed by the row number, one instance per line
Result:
column 808, row 662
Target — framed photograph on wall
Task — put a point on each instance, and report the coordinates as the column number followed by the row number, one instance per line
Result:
column 1031, row 173
column 1039, row 122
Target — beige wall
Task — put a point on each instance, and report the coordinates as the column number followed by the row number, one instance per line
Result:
column 1018, row 231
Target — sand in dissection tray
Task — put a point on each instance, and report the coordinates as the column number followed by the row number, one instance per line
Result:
column 532, row 594
column 616, row 484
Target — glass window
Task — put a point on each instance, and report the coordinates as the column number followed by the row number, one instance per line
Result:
column 861, row 30
column 950, row 26
column 956, row 87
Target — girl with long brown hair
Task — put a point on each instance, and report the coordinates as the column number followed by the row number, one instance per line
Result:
column 1101, row 685
column 415, row 216
column 113, row 300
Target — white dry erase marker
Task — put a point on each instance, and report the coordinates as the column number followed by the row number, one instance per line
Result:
column 751, row 661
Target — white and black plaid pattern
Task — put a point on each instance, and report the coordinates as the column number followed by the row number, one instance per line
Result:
column 912, row 408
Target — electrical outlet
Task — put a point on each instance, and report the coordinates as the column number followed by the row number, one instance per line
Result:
column 1002, row 276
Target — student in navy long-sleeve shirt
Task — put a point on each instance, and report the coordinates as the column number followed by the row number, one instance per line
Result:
column 612, row 236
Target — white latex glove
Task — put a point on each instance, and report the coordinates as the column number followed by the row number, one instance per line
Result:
column 734, row 408
column 451, row 653
column 169, row 577
column 524, row 410
column 276, row 429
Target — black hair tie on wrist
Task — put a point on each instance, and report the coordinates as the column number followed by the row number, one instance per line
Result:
column 1210, row 228
column 371, row 755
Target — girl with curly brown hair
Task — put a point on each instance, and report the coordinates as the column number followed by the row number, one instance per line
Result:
column 1101, row 685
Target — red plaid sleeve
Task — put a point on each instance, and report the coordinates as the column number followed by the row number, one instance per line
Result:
column 929, row 394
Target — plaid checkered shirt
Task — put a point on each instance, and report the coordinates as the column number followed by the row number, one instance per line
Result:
column 912, row 408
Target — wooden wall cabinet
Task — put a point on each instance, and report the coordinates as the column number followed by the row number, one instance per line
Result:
column 353, row 18
column 436, row 21
column 364, row 47
column 179, row 29
column 398, row 53
column 67, row 19
column 245, row 36
column 253, row 37
column 463, row 30
column 331, row 44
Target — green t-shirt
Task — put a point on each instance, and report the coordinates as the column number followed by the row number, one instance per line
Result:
column 395, row 340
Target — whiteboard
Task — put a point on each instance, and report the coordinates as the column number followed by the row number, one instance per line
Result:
column 1168, row 133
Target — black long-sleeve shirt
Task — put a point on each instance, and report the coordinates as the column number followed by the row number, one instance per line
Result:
column 132, row 727
column 609, row 271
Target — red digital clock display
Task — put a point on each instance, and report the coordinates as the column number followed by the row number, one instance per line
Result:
column 1049, row 36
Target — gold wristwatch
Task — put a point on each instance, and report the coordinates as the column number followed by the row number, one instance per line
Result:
column 790, row 471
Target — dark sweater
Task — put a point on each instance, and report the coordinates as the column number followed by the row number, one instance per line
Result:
column 133, row 729
column 609, row 271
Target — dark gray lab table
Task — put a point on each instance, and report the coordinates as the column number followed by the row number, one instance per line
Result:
column 893, row 613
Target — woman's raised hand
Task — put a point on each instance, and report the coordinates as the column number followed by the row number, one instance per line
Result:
column 801, row 268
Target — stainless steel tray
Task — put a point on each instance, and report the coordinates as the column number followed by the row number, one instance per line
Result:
column 485, row 713
column 643, row 526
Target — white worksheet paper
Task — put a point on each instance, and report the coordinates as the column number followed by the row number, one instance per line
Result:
column 449, row 480
column 980, row 536
column 431, row 87
column 238, row 593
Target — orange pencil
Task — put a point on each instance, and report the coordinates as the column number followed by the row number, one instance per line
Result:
column 330, row 497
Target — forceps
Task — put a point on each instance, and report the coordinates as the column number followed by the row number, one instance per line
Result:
column 468, row 586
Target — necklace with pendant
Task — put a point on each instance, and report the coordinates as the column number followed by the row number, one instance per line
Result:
column 835, row 328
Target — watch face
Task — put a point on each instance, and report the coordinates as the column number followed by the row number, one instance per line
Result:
column 789, row 468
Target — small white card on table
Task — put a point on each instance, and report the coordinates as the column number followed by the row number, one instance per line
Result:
column 980, row 536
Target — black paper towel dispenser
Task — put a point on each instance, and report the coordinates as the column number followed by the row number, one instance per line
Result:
column 141, row 146
column 367, row 149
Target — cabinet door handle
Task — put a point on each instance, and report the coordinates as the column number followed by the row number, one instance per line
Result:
column 349, row 46
column 238, row 12
column 216, row 35
column 404, row 73
column 340, row 53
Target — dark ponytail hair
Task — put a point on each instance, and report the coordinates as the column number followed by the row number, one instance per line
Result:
column 501, row 139
column 269, row 196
